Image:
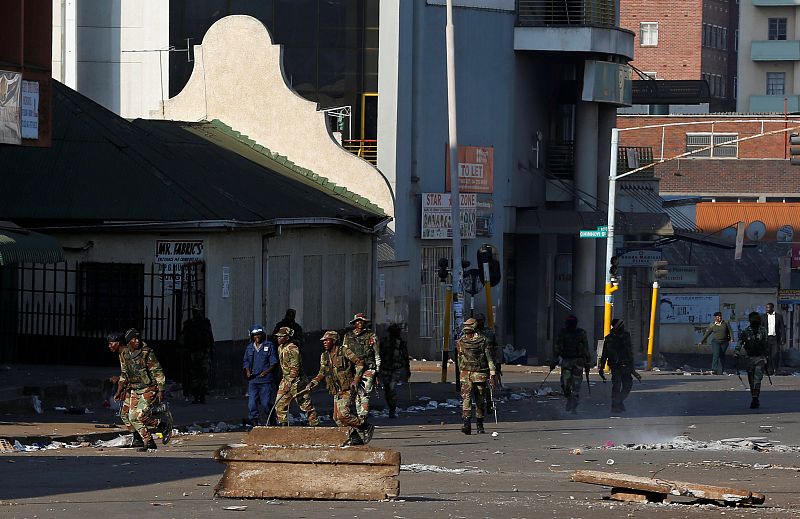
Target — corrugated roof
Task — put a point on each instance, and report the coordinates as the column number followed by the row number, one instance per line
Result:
column 18, row 245
column 716, row 267
column 102, row 168
column 653, row 202
column 715, row 216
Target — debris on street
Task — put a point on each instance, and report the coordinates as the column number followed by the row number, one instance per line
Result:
column 683, row 442
column 419, row 467
column 625, row 487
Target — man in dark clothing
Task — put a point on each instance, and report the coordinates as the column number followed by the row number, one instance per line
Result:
column 721, row 335
column 288, row 321
column 756, row 345
column 618, row 353
column 197, row 341
column 260, row 364
column 773, row 325
column 573, row 348
column 395, row 365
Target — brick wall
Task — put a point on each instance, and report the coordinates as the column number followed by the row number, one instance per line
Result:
column 769, row 147
column 695, row 177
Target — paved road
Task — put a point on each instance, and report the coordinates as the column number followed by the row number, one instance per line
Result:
column 522, row 472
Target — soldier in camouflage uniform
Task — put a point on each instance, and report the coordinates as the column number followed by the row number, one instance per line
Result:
column 342, row 371
column 396, row 365
column 476, row 367
column 364, row 344
column 496, row 353
column 197, row 340
column 123, row 394
column 754, row 341
column 572, row 346
column 618, row 353
column 293, row 379
column 144, row 378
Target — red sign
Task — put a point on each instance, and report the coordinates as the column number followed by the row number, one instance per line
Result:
column 475, row 169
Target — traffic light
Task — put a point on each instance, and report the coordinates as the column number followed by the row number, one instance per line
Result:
column 659, row 269
column 613, row 268
column 486, row 256
column 794, row 149
column 443, row 272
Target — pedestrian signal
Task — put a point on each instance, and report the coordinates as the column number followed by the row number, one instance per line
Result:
column 442, row 272
column 613, row 268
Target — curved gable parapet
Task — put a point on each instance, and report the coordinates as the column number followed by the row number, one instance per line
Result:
column 238, row 78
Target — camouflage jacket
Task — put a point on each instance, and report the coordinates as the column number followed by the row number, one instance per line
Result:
column 339, row 369
column 573, row 345
column 394, row 356
column 291, row 362
column 753, row 341
column 141, row 369
column 474, row 354
column 617, row 351
column 365, row 346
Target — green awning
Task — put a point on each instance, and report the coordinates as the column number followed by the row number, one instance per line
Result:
column 18, row 245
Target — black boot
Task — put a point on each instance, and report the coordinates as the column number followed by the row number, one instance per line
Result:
column 151, row 445
column 466, row 428
column 367, row 429
column 479, row 426
column 392, row 412
column 355, row 438
column 137, row 440
column 165, row 428
column 754, row 403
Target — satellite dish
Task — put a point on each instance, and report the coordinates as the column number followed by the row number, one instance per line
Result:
column 785, row 233
column 755, row 230
column 729, row 234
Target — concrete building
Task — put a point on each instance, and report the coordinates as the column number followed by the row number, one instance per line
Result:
column 685, row 41
column 769, row 57
column 528, row 90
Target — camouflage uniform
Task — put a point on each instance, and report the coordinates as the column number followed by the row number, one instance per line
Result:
column 142, row 374
column 340, row 367
column 396, row 367
column 476, row 366
column 573, row 348
column 197, row 340
column 293, row 380
column 754, row 342
column 365, row 346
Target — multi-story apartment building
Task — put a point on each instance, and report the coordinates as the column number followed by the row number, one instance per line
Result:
column 683, row 41
column 769, row 61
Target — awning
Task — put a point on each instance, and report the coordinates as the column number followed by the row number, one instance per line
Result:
column 544, row 221
column 18, row 245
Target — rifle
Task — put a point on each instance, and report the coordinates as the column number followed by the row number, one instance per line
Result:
column 494, row 404
column 588, row 385
column 739, row 374
column 545, row 378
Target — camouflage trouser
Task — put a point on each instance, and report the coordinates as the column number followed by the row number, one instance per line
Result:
column 342, row 410
column 363, row 393
column 389, row 380
column 287, row 390
column 755, row 374
column 125, row 409
column 473, row 381
column 140, row 414
column 571, row 377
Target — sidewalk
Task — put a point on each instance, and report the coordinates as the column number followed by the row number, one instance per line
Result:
column 85, row 388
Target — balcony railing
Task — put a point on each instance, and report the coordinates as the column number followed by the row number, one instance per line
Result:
column 546, row 13
column 632, row 157
column 367, row 149
column 561, row 159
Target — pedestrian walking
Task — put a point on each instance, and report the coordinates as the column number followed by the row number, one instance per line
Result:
column 197, row 341
column 144, row 379
column 776, row 337
column 572, row 347
column 755, row 343
column 342, row 370
column 618, row 354
column 395, row 365
column 259, row 364
column 721, row 336
column 362, row 341
column 293, row 380
column 476, row 369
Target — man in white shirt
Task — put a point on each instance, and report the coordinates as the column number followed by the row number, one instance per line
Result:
column 776, row 336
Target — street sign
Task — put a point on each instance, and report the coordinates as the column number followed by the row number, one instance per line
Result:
column 682, row 275
column 590, row 233
column 638, row 258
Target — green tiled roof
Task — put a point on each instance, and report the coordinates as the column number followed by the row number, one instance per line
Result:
column 290, row 168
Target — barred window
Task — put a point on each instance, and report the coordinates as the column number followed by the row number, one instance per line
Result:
column 777, row 29
column 696, row 141
column 776, row 83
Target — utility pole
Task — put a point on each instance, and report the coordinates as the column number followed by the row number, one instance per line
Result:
column 453, row 142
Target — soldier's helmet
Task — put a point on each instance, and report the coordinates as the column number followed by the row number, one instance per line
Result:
column 330, row 334
column 131, row 334
column 257, row 329
column 470, row 324
column 284, row 331
column 360, row 317
column 114, row 337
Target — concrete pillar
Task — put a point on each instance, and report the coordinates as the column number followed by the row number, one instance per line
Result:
column 607, row 119
column 584, row 253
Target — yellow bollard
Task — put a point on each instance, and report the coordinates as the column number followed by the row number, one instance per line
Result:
column 650, row 339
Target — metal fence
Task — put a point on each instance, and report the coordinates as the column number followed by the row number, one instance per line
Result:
column 546, row 13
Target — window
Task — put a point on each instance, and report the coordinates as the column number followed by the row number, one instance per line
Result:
column 776, row 83
column 110, row 296
column 648, row 34
column 650, row 75
column 777, row 29
column 696, row 141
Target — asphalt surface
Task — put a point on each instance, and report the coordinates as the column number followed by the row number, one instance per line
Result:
column 522, row 472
